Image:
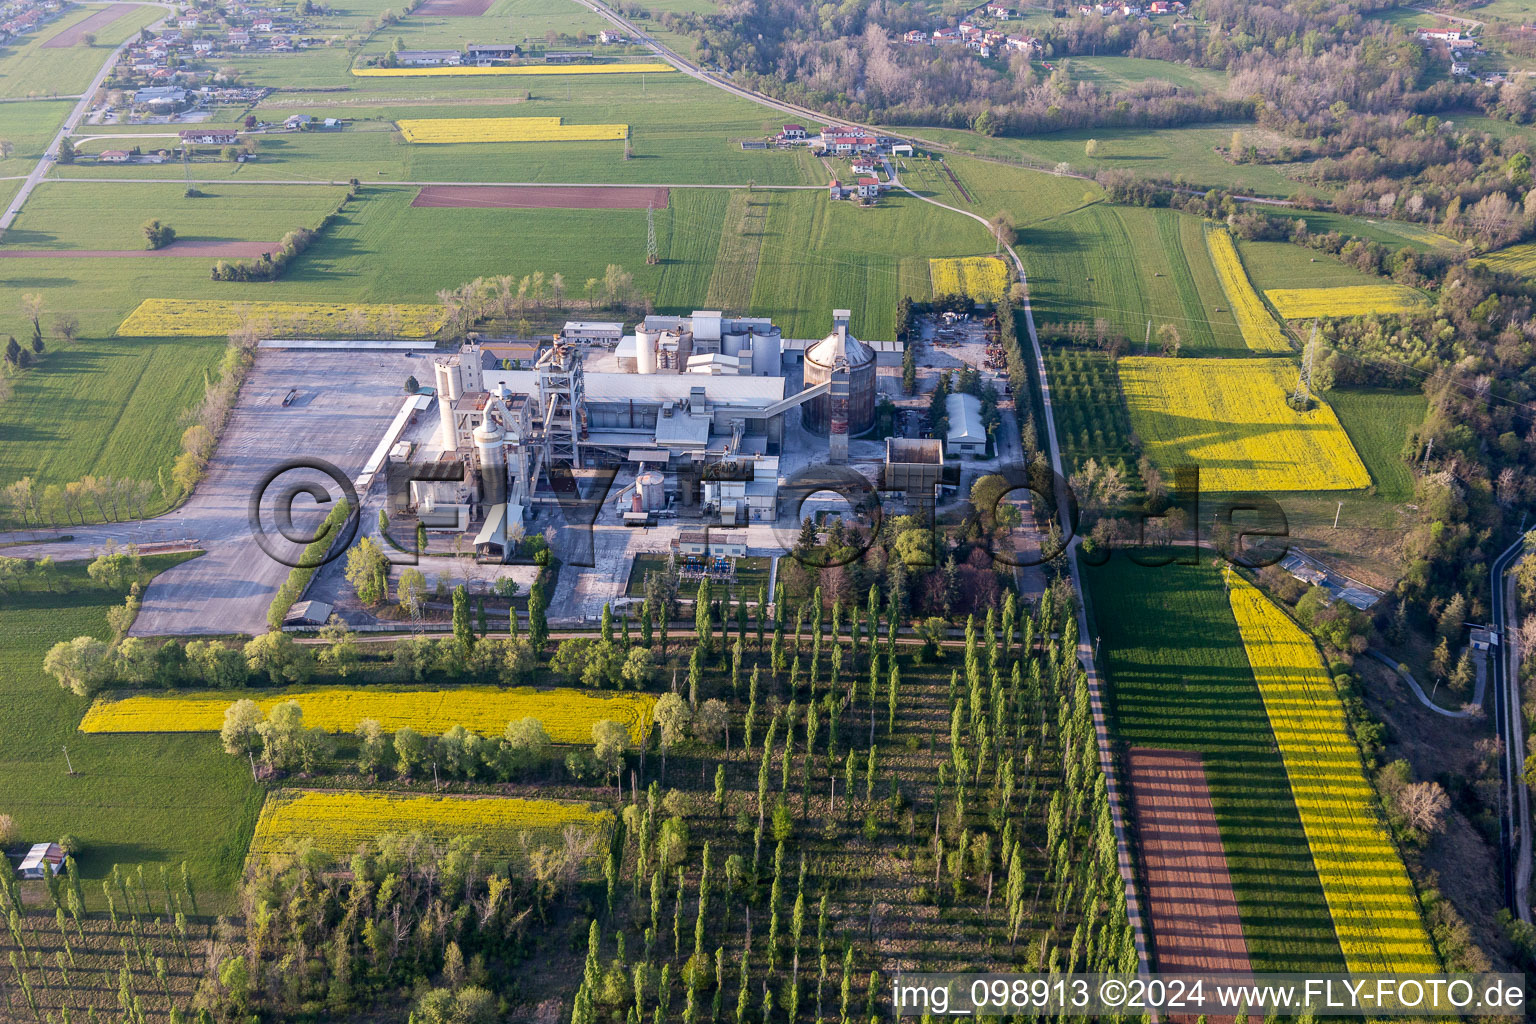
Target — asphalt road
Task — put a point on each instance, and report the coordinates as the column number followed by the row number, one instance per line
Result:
column 1515, row 805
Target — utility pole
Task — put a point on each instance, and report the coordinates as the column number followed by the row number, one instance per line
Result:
column 252, row 756
column 1336, row 515
column 1147, row 342
column 67, row 763
column 652, row 252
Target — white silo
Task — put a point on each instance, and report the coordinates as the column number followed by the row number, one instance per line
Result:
column 651, row 488
column 489, row 438
column 733, row 342
column 447, row 384
column 645, row 350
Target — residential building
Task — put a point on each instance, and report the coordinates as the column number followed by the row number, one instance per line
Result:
column 210, row 136
column 793, row 132
column 113, row 156
column 592, row 332
column 868, row 188
column 915, row 36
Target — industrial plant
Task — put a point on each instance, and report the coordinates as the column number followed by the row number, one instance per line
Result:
column 691, row 410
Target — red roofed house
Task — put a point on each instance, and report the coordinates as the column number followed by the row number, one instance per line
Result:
column 211, row 136
column 793, row 131
column 869, row 188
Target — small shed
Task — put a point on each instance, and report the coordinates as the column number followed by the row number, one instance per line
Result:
column 42, row 857
column 308, row 613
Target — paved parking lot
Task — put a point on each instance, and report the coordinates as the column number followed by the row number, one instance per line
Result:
column 346, row 401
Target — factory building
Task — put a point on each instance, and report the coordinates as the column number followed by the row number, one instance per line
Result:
column 694, row 405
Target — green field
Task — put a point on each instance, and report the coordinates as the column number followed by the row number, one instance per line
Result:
column 29, row 127
column 80, row 215
column 1118, row 74
column 1378, row 422
column 28, row 69
column 105, row 408
column 681, row 132
column 1187, row 154
column 148, row 800
column 817, row 255
column 1286, row 265
column 1128, row 265
column 1178, row 678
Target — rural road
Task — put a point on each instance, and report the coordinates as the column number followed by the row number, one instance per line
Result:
column 1424, row 698
column 52, row 152
column 1515, row 805
column 451, row 184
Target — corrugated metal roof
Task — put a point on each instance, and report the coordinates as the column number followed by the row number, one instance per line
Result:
column 964, row 413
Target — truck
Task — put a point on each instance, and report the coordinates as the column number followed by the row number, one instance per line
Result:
column 290, row 396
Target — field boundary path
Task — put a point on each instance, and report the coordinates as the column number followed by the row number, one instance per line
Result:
column 52, row 152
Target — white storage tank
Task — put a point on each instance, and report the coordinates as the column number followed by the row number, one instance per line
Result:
column 447, row 390
column 645, row 350
column 651, row 489
column 732, row 344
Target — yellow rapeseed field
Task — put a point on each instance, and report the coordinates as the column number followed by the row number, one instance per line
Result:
column 1351, row 300
column 1260, row 332
column 1230, row 418
column 984, row 278
column 1519, row 260
column 179, row 318
column 441, row 130
column 567, row 714
column 338, row 822
column 541, row 69
column 1368, row 890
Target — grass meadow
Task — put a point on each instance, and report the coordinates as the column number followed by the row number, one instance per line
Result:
column 1178, row 679
column 1129, row 265
column 29, row 127
column 92, row 215
column 28, row 69
column 1185, row 154
column 1378, row 422
column 1284, row 265
column 135, row 799
column 1118, row 74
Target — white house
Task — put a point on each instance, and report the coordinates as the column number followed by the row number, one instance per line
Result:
column 113, row 156
column 42, row 857
column 966, row 434
column 868, row 188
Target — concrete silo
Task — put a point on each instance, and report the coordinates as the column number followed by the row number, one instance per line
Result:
column 841, row 354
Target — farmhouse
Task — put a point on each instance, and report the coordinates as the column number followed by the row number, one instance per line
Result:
column 946, row 35
column 1443, row 35
column 476, row 52
column 239, row 37
column 426, row 58
column 42, row 857
column 868, row 188
column 113, row 156
column 793, row 132
column 210, row 136
column 1460, row 68
column 915, row 36
column 608, row 37
column 1000, row 11
column 842, row 140
column 966, row 434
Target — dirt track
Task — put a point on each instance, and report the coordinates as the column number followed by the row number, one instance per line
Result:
column 453, row 8
column 564, row 197
column 101, row 19
column 189, row 247
column 1190, row 903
